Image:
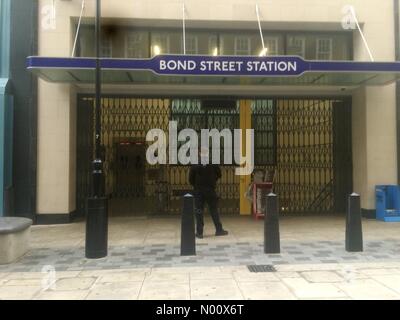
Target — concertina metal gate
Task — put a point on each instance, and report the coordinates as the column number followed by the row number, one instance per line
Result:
column 293, row 137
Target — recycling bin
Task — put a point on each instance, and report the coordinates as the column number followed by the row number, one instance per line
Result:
column 388, row 203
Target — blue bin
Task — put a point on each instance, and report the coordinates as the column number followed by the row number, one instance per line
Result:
column 388, row 203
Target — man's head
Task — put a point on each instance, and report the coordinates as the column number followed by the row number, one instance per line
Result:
column 204, row 156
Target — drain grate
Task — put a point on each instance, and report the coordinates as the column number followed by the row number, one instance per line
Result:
column 261, row 268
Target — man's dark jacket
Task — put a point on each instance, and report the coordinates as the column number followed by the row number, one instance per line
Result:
column 204, row 177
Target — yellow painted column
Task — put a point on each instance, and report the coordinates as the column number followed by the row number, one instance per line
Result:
column 245, row 123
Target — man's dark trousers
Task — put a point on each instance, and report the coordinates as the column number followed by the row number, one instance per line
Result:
column 209, row 197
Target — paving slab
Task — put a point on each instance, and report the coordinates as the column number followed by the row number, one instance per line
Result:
column 218, row 289
column 165, row 290
column 368, row 289
column 322, row 276
column 391, row 281
column 18, row 292
column 131, row 276
column 305, row 290
column 115, row 291
column 168, row 277
column 73, row 284
column 265, row 291
column 62, row 295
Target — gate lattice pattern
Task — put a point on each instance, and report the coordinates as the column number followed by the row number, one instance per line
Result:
column 293, row 137
column 190, row 114
column 129, row 120
column 304, row 180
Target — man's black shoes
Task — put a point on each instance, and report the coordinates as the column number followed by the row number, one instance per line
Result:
column 221, row 233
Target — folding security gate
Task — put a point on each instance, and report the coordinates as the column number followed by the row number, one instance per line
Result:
column 189, row 113
column 307, row 142
column 314, row 160
column 84, row 153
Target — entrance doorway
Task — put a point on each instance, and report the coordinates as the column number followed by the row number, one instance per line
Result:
column 130, row 169
column 314, row 155
column 306, row 142
column 129, row 172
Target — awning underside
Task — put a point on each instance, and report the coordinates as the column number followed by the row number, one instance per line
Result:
column 85, row 76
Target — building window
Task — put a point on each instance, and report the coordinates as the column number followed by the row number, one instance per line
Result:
column 106, row 48
column 159, row 44
column 297, row 46
column 213, row 45
column 324, row 49
column 145, row 43
column 242, row 46
column 192, row 44
column 271, row 44
column 133, row 45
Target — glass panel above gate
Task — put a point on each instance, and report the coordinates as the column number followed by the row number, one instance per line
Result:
column 265, row 134
column 146, row 42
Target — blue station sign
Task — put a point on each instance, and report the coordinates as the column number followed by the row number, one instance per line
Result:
column 196, row 69
column 218, row 66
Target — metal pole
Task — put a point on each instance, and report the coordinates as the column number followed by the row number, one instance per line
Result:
column 264, row 51
column 188, row 238
column 98, row 95
column 353, row 12
column 354, row 235
column 272, row 242
column 78, row 29
column 97, row 206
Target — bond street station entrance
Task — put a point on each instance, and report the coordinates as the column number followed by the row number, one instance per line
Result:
column 305, row 142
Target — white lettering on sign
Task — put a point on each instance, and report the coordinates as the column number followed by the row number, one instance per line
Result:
column 173, row 65
column 224, row 66
column 272, row 66
column 207, row 66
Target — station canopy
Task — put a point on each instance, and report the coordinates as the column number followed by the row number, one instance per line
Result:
column 216, row 70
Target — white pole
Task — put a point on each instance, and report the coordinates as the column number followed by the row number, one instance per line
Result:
column 353, row 12
column 259, row 27
column 184, row 28
column 77, row 30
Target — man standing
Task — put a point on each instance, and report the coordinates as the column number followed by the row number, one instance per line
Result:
column 204, row 179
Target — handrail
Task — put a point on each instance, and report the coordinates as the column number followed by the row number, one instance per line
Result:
column 320, row 197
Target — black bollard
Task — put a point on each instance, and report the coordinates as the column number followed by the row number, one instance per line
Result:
column 271, row 225
column 97, row 228
column 354, row 237
column 188, row 236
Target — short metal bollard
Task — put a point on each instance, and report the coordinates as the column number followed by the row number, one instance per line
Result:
column 271, row 225
column 354, row 236
column 188, row 236
column 97, row 228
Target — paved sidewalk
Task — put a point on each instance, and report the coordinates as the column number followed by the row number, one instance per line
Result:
column 328, row 281
column 209, row 254
column 144, row 263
